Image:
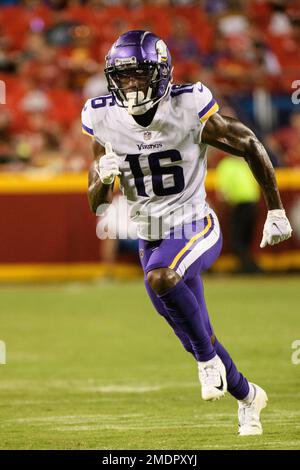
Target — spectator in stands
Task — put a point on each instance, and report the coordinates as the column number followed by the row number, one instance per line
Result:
column 46, row 67
column 233, row 22
column 6, row 138
column 280, row 23
column 35, row 99
column 181, row 42
column 75, row 149
column 40, row 143
column 235, row 70
column 63, row 31
column 216, row 8
column 266, row 60
column 10, row 158
column 96, row 84
column 7, row 59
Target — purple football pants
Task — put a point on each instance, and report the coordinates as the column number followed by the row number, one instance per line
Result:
column 190, row 250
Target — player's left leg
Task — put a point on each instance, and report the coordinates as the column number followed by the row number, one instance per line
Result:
column 251, row 398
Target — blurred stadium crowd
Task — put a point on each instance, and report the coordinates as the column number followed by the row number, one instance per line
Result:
column 52, row 58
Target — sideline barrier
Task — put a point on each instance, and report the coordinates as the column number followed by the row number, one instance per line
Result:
column 48, row 233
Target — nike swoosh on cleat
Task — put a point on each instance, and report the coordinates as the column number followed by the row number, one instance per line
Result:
column 220, row 387
column 200, row 89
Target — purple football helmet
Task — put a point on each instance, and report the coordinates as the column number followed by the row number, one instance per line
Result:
column 143, row 58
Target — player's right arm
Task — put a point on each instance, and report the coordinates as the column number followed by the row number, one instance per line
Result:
column 100, row 185
column 105, row 167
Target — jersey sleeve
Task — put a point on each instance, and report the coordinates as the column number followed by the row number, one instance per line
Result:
column 86, row 121
column 206, row 105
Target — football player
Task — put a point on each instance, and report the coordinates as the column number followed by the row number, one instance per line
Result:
column 154, row 136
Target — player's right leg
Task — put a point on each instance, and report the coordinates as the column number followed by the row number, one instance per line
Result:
column 249, row 412
column 252, row 399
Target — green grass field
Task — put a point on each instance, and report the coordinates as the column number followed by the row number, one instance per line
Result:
column 92, row 366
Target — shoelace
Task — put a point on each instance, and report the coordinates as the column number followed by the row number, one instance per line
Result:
column 210, row 375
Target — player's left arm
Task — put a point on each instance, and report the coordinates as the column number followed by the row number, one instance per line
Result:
column 231, row 136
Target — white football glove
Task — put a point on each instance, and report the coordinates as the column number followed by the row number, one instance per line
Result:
column 276, row 229
column 108, row 165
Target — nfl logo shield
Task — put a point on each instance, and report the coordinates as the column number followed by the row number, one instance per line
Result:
column 147, row 135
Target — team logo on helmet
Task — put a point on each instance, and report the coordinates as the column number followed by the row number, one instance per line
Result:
column 162, row 52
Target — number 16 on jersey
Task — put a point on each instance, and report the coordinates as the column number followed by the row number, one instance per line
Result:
column 157, row 172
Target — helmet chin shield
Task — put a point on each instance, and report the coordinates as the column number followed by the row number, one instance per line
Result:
column 138, row 71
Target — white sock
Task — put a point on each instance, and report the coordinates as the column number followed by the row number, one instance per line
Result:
column 212, row 361
column 249, row 398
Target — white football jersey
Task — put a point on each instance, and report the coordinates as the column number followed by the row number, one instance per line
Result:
column 163, row 165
